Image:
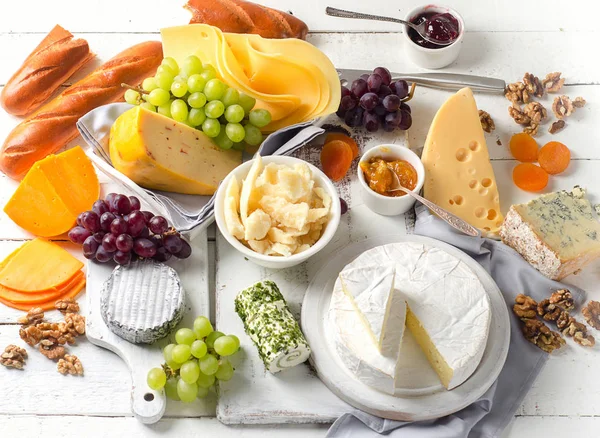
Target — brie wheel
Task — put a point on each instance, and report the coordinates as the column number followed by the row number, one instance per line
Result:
column 437, row 297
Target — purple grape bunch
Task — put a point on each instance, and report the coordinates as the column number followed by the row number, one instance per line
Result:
column 375, row 102
column 117, row 229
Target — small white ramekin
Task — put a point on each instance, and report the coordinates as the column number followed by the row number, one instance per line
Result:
column 279, row 262
column 387, row 205
column 433, row 58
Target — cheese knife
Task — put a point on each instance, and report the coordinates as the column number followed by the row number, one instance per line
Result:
column 444, row 81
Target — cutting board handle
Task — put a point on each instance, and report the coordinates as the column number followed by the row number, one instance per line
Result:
column 147, row 405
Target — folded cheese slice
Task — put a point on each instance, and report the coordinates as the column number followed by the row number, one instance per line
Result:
column 460, row 177
column 370, row 288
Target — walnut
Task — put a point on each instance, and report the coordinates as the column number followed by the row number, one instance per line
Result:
column 536, row 112
column 579, row 102
column 75, row 323
column 518, row 116
column 34, row 316
column 548, row 310
column 13, row 357
column 70, row 364
column 517, row 92
column 562, row 107
column 487, row 123
column 584, row 339
column 68, row 305
column 51, row 349
column 31, row 335
column 563, row 298
column 540, row 335
column 533, row 85
column 532, row 129
column 556, row 126
column 553, row 82
column 525, row 307
column 591, row 313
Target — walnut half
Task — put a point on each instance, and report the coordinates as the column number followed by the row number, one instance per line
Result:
column 70, row 364
column 13, row 357
column 591, row 313
column 487, row 123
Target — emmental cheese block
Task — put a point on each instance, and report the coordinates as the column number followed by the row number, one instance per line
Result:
column 159, row 153
column 556, row 233
column 445, row 307
column 459, row 175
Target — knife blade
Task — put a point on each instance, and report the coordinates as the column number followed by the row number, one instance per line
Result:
column 444, row 81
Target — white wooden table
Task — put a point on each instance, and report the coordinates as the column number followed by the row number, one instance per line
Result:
column 504, row 39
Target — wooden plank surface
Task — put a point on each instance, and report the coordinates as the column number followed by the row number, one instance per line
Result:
column 504, row 39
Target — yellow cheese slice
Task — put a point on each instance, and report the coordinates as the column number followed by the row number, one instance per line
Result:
column 290, row 78
column 207, row 42
column 39, row 265
column 159, row 153
column 458, row 173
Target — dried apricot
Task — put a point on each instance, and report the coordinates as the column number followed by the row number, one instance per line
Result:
column 524, row 147
column 336, row 158
column 343, row 137
column 528, row 176
column 554, row 157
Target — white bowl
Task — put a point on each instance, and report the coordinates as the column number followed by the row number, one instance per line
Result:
column 279, row 262
column 387, row 205
column 433, row 58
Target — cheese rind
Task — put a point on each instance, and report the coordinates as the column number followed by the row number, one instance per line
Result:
column 459, row 175
column 447, row 310
column 556, row 233
column 159, row 153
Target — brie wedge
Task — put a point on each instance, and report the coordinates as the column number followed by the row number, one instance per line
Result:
column 439, row 299
column 371, row 291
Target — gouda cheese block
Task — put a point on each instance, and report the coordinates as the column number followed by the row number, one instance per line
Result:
column 39, row 265
column 159, row 153
column 458, row 173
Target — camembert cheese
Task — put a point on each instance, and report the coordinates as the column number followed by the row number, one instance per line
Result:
column 556, row 233
column 459, row 175
column 441, row 301
column 159, row 153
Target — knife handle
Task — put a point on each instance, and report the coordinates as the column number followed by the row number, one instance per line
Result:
column 455, row 81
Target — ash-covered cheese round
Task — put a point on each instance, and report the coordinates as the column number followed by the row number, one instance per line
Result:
column 142, row 302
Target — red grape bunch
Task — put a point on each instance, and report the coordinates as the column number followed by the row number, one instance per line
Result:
column 374, row 101
column 116, row 229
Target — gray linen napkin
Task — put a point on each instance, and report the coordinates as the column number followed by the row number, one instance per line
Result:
column 186, row 212
column 488, row 416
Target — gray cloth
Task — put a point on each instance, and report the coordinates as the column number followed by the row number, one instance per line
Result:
column 186, row 212
column 488, row 416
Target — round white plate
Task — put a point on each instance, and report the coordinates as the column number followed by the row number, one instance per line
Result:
column 424, row 397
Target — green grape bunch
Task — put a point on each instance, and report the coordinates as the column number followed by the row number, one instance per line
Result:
column 194, row 94
column 195, row 362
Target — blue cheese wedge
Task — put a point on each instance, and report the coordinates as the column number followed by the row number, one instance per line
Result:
column 142, row 302
column 271, row 326
column 556, row 233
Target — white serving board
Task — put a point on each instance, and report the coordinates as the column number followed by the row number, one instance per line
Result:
column 148, row 405
column 422, row 396
column 297, row 395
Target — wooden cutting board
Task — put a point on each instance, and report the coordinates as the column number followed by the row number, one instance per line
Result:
column 148, row 405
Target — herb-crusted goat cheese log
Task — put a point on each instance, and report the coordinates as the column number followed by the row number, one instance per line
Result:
column 271, row 326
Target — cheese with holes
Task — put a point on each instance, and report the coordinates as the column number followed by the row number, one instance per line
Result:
column 458, row 173
column 370, row 288
column 438, row 299
column 556, row 233
column 53, row 193
column 159, row 153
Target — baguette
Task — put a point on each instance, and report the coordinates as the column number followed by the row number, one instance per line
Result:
column 239, row 16
column 54, row 60
column 53, row 125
